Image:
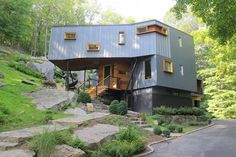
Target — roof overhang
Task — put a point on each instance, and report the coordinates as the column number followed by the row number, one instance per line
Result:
column 78, row 64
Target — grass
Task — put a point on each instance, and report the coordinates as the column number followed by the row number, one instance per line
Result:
column 22, row 113
column 44, row 144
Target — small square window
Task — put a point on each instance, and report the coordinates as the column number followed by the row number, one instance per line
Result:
column 168, row 66
column 70, row 36
column 148, row 71
column 93, row 47
column 180, row 42
column 121, row 38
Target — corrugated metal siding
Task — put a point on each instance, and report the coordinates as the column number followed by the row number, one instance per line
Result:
column 107, row 37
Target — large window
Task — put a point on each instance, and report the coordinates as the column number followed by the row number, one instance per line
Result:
column 121, row 38
column 168, row 66
column 152, row 28
column 70, row 35
column 148, row 71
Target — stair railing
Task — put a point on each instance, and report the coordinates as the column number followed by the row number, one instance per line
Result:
column 108, row 77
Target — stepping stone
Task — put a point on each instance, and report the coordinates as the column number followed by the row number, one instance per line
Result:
column 67, row 151
column 17, row 153
column 1, row 75
column 7, row 145
column 75, row 111
column 96, row 135
column 21, row 135
column 78, row 120
column 51, row 98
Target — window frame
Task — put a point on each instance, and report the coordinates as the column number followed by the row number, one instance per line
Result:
column 164, row 68
column 180, row 41
column 92, row 50
column 70, row 33
column 119, row 38
column 146, row 76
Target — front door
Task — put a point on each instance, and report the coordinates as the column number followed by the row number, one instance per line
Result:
column 107, row 72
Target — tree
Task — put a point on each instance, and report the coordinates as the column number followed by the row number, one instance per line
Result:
column 187, row 23
column 111, row 17
column 216, row 64
column 15, row 22
column 219, row 15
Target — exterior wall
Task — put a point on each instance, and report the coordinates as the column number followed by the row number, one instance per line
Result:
column 142, row 100
column 180, row 56
column 107, row 37
column 139, row 80
column 118, row 67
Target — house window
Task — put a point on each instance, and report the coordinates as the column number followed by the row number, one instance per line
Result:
column 168, row 66
column 180, row 42
column 70, row 36
column 121, row 38
column 141, row 30
column 181, row 70
column 93, row 47
column 148, row 72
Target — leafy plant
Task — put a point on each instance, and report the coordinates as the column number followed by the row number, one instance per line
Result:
column 157, row 130
column 113, row 106
column 84, row 97
column 179, row 129
column 120, row 108
column 171, row 127
column 166, row 132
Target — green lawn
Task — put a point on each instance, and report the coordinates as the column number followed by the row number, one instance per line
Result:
column 17, row 111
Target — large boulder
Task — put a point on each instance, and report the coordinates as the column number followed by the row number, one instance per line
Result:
column 96, row 135
column 45, row 67
column 67, row 151
column 2, row 84
column 17, row 153
column 51, row 98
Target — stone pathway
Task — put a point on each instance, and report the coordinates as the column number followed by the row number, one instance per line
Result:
column 75, row 111
column 97, row 134
column 51, row 98
column 11, row 139
column 80, row 119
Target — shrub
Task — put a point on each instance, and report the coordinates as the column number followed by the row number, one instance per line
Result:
column 161, row 121
column 171, row 127
column 113, row 106
column 143, row 116
column 25, row 69
column 122, row 108
column 128, row 134
column 126, row 143
column 44, row 144
column 179, row 129
column 84, row 97
column 157, row 130
column 166, row 132
column 179, row 111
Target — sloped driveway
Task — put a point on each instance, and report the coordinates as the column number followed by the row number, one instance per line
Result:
column 216, row 141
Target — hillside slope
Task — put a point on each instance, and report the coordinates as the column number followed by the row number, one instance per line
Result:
column 17, row 111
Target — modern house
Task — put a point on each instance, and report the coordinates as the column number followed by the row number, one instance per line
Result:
column 152, row 62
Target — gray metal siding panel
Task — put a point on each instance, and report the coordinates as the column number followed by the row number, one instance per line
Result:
column 106, row 36
column 180, row 56
column 139, row 80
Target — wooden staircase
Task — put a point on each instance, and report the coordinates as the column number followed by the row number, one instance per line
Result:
column 100, row 90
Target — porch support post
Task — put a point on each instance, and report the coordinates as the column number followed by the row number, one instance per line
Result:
column 84, row 78
column 67, row 75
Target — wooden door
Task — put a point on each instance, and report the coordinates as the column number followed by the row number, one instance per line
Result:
column 106, row 72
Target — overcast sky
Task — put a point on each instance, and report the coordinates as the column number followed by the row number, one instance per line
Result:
column 139, row 9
